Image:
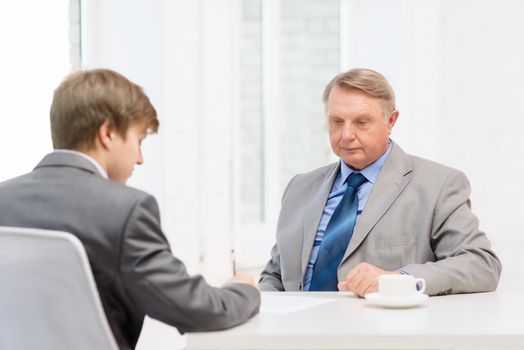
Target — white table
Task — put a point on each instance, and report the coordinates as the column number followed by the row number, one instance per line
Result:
column 468, row 321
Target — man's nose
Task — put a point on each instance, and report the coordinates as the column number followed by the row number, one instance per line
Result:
column 348, row 131
column 140, row 159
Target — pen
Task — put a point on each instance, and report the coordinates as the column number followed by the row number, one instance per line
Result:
column 233, row 263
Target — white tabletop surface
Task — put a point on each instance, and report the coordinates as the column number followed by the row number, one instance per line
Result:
column 467, row 321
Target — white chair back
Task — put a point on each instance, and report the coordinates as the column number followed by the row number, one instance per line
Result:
column 48, row 296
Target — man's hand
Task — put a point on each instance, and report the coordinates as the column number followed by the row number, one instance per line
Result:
column 363, row 279
column 242, row 277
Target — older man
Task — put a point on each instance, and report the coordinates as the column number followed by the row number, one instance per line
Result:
column 377, row 210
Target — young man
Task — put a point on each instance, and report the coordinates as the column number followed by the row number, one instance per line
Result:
column 98, row 121
column 377, row 210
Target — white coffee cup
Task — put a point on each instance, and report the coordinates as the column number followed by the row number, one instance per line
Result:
column 400, row 286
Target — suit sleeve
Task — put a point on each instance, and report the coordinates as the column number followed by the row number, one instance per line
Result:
column 271, row 277
column 161, row 286
column 464, row 261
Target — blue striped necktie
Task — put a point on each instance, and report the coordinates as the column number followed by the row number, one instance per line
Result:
column 336, row 238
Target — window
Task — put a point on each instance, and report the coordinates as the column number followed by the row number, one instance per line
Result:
column 289, row 51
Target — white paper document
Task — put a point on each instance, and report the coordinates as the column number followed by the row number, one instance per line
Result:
column 284, row 304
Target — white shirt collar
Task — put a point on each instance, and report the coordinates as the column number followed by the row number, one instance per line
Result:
column 98, row 167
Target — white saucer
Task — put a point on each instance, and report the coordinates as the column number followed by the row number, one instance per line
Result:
column 397, row 303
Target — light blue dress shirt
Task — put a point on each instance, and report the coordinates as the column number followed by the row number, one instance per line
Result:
column 371, row 173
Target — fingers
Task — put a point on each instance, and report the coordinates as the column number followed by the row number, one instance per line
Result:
column 368, row 285
column 363, row 279
column 343, row 286
column 243, row 277
column 354, row 272
column 355, row 281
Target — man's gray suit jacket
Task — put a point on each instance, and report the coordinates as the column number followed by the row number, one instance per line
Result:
column 417, row 219
column 119, row 226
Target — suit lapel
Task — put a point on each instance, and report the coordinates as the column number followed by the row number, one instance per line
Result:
column 393, row 178
column 314, row 208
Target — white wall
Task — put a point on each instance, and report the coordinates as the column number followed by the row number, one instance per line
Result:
column 34, row 59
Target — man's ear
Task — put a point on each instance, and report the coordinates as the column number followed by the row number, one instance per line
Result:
column 106, row 135
column 392, row 119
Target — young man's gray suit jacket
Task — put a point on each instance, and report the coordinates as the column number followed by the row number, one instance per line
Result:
column 135, row 272
column 417, row 219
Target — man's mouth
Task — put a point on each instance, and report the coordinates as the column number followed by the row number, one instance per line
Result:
column 350, row 149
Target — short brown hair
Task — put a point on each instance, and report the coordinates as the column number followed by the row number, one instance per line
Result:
column 87, row 99
column 367, row 80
